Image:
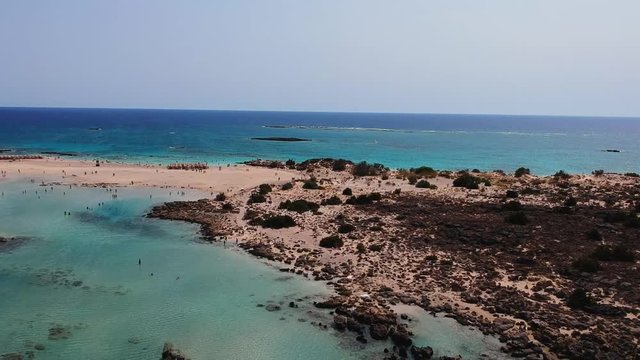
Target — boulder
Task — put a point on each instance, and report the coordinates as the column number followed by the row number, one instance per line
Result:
column 421, row 353
column 401, row 337
column 379, row 331
column 340, row 322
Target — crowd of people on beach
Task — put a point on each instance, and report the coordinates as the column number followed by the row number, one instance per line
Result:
column 198, row 166
column 19, row 157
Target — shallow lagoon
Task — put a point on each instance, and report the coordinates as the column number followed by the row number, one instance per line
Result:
column 80, row 275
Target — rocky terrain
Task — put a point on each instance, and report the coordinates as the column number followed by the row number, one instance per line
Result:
column 548, row 264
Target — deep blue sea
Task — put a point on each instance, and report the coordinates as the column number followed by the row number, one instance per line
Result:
column 545, row 144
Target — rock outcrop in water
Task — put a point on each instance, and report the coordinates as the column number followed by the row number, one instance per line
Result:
column 209, row 214
column 169, row 352
column 10, row 243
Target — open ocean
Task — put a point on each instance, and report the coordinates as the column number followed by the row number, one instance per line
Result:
column 545, row 144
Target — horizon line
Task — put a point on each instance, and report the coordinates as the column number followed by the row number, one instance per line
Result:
column 636, row 117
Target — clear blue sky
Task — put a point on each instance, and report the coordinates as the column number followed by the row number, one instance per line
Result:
column 578, row 57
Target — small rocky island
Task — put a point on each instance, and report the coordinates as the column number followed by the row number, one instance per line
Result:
column 284, row 139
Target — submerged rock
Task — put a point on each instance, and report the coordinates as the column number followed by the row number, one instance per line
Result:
column 11, row 356
column 422, row 353
column 59, row 332
column 171, row 353
column 272, row 307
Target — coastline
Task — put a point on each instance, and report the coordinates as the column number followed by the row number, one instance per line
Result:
column 401, row 269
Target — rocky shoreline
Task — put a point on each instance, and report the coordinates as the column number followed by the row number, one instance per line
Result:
column 548, row 264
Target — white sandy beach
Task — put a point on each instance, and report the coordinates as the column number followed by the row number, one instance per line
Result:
column 78, row 172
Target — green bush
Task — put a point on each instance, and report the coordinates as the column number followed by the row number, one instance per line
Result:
column 425, row 171
column 256, row 198
column 597, row 172
column 413, row 179
column 221, row 197
column 561, row 175
column 333, row 241
column 613, row 253
column 287, row 186
column 264, row 189
column 586, row 264
column 227, row 207
column 517, row 218
column 346, row 228
column 334, row 200
column 632, row 174
column 361, row 248
column 311, row 184
column 423, row 184
column 347, row 192
column 278, row 222
column 521, row 171
column 468, row 181
column 290, row 164
column 579, row 299
column 359, row 200
column 365, row 169
column 339, row 165
column 364, row 199
column 299, row 206
column 376, row 247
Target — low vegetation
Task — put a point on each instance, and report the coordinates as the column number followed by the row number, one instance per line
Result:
column 579, row 299
column 561, row 175
column 469, row 181
column 521, row 171
column 299, row 206
column 424, row 184
column 365, row 169
column 256, row 198
column 311, row 184
column 346, row 228
column 334, row 200
column 333, row 241
column 278, row 222
column 364, row 199
column 264, row 189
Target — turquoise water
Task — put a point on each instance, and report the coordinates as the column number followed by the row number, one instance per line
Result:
column 201, row 297
column 545, row 144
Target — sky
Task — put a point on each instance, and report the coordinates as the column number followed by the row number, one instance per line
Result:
column 554, row 57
